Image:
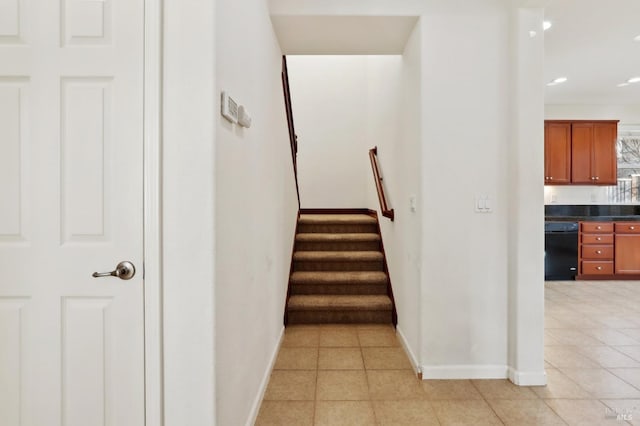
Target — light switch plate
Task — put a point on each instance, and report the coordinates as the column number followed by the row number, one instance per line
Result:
column 483, row 204
column 229, row 108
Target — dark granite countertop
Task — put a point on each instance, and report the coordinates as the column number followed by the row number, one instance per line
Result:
column 630, row 218
column 592, row 212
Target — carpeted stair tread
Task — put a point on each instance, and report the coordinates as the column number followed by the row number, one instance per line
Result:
column 324, row 219
column 338, row 272
column 340, row 302
column 326, row 237
column 337, row 256
column 333, row 277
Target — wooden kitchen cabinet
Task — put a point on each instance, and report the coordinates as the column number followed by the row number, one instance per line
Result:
column 627, row 245
column 593, row 153
column 609, row 250
column 596, row 252
column 581, row 152
column 557, row 153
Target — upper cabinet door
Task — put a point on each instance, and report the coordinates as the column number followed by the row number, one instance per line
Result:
column 604, row 161
column 557, row 153
column 582, row 153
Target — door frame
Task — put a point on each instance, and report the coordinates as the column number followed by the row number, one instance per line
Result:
column 152, row 218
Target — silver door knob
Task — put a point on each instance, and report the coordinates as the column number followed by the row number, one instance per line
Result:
column 124, row 270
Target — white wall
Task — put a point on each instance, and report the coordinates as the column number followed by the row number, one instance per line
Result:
column 329, row 97
column 464, row 153
column 525, row 206
column 188, row 212
column 627, row 114
column 256, row 208
column 396, row 123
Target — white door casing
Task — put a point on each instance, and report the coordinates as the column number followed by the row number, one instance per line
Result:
column 71, row 203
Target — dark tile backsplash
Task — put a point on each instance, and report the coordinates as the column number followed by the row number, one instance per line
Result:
column 592, row 210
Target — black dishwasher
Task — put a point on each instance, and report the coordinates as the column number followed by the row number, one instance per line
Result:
column 560, row 250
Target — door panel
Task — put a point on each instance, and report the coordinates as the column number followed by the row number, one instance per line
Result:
column 557, row 153
column 627, row 254
column 71, row 117
column 85, row 148
column 581, row 153
column 605, row 166
column 13, row 104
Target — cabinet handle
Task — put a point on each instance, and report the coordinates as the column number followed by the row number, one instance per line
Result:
column 593, row 178
column 598, row 251
column 632, row 227
column 598, row 227
column 599, row 268
column 598, row 238
column 597, row 177
column 550, row 177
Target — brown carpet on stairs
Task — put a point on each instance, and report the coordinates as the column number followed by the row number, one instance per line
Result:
column 338, row 271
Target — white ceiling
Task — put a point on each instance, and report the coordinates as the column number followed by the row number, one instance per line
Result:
column 343, row 35
column 591, row 43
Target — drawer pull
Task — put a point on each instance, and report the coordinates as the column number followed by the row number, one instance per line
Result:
column 632, row 227
column 599, row 268
column 598, row 227
column 598, row 238
column 598, row 251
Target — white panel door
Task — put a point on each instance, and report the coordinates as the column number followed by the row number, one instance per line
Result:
column 71, row 117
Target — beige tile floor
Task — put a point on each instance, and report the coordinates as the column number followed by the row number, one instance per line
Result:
column 359, row 375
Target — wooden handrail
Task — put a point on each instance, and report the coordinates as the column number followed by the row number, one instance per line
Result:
column 386, row 211
column 293, row 138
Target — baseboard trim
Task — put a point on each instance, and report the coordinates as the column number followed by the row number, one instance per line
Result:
column 457, row 372
column 527, row 378
column 255, row 408
column 405, row 345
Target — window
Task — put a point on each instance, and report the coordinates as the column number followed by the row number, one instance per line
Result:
column 628, row 150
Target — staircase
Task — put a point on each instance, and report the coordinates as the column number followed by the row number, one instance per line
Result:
column 339, row 273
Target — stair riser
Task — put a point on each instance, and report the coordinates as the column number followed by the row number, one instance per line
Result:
column 360, row 289
column 335, row 228
column 337, row 266
column 338, row 246
column 339, row 317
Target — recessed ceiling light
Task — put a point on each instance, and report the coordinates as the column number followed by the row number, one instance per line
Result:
column 557, row 81
column 623, row 84
column 547, row 24
column 637, row 38
column 633, row 80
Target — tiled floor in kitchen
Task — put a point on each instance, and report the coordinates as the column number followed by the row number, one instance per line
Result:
column 360, row 375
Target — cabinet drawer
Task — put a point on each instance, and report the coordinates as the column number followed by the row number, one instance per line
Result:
column 597, row 268
column 597, row 252
column 597, row 238
column 597, row 227
column 628, row 227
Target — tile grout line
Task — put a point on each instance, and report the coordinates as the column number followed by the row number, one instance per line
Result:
column 315, row 391
column 554, row 411
column 486, row 401
column 366, row 377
